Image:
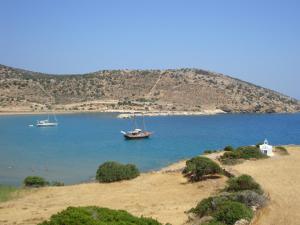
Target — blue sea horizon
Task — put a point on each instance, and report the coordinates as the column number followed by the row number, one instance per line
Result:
column 72, row 151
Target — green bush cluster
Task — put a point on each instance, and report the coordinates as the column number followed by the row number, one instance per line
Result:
column 250, row 152
column 234, row 204
column 249, row 198
column 281, row 150
column 92, row 215
column 229, row 148
column 242, row 183
column 223, row 211
column 213, row 222
column 114, row 171
column 229, row 212
column 199, row 167
column 206, row 152
column 234, row 156
column 35, row 181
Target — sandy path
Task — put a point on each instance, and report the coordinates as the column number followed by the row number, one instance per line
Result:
column 280, row 177
column 164, row 196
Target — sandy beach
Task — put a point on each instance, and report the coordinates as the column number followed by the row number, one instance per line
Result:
column 123, row 114
column 166, row 195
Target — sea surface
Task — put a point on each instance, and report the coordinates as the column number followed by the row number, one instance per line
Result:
column 72, row 152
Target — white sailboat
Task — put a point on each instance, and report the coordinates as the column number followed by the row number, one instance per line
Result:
column 137, row 133
column 47, row 122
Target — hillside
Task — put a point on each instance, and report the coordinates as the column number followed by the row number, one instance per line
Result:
column 191, row 90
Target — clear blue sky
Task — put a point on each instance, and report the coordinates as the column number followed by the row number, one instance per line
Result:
column 254, row 40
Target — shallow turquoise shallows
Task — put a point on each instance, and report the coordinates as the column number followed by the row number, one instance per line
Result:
column 72, row 151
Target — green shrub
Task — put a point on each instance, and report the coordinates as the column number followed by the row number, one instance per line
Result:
column 250, row 152
column 230, row 158
column 92, row 215
column 259, row 144
column 249, row 198
column 229, row 212
column 198, row 167
column 281, row 150
column 57, row 183
column 203, row 208
column 206, row 152
column 113, row 171
column 207, row 206
column 35, row 181
column 231, row 155
column 222, row 209
column 213, row 222
column 229, row 148
column 241, row 183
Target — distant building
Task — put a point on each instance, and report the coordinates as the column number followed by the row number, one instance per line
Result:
column 266, row 149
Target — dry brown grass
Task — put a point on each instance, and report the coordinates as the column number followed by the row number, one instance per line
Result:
column 164, row 196
column 280, row 178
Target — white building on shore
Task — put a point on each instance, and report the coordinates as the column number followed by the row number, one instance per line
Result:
column 266, row 149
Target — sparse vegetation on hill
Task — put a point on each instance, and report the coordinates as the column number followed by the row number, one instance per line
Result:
column 113, row 171
column 130, row 90
column 93, row 215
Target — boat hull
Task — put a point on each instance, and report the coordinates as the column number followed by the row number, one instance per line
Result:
column 47, row 125
column 137, row 136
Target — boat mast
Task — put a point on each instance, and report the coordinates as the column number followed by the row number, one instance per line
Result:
column 144, row 126
column 134, row 122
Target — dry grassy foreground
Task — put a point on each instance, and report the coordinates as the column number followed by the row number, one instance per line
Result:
column 167, row 195
column 280, row 177
column 161, row 195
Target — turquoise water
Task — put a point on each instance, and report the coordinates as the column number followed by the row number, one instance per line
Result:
column 72, row 151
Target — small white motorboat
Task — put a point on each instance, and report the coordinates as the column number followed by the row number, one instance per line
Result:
column 46, row 123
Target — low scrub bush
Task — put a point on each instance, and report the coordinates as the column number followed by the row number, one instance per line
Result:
column 92, row 215
column 224, row 210
column 229, row 148
column 249, row 198
column 229, row 212
column 250, row 152
column 281, row 150
column 199, row 167
column 230, row 158
column 113, row 171
column 241, row 183
column 213, row 222
column 57, row 183
column 206, row 152
column 245, row 152
column 207, row 206
column 35, row 181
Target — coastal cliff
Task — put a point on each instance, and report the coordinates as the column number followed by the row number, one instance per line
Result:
column 180, row 90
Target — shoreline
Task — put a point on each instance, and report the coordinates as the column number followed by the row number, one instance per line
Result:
column 126, row 114
column 122, row 113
